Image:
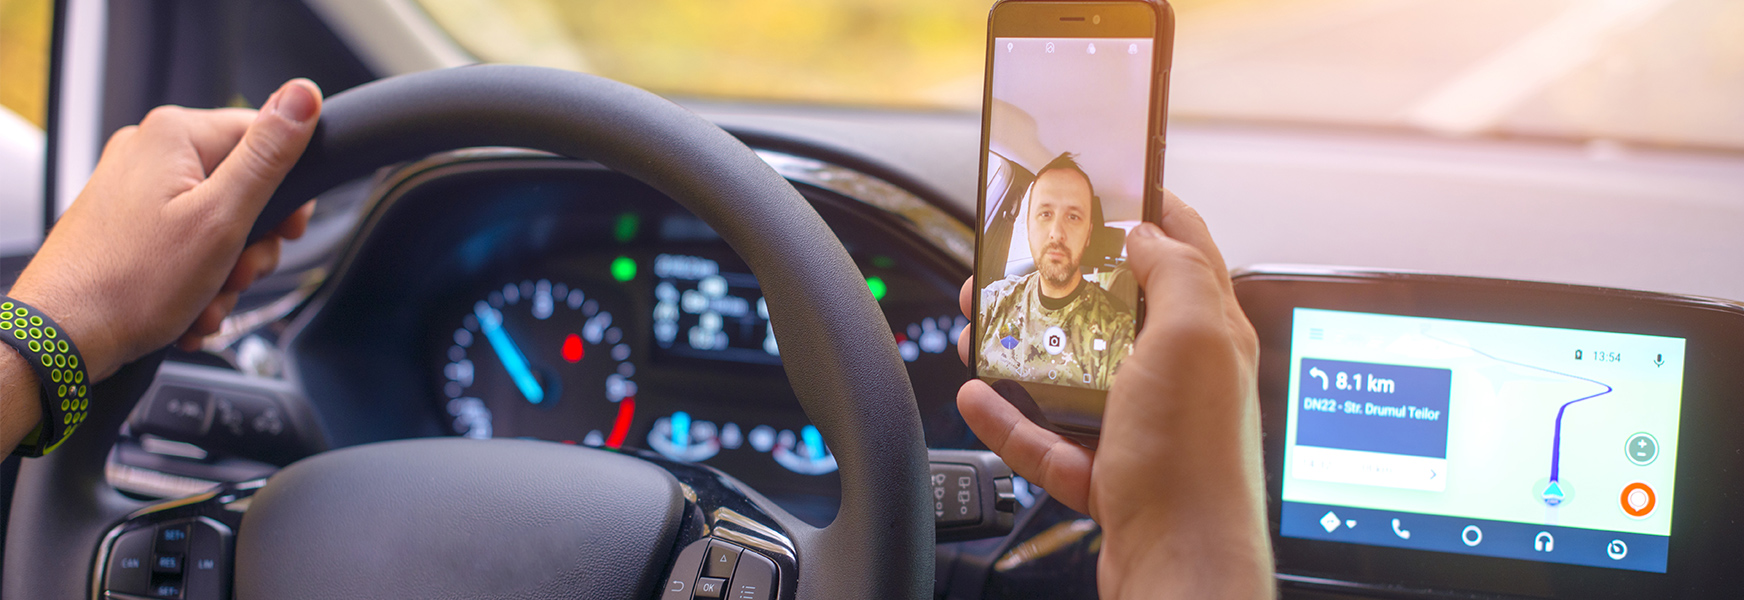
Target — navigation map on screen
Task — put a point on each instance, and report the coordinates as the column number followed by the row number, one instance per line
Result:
column 1494, row 439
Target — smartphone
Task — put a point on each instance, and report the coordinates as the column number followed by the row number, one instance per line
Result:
column 1072, row 140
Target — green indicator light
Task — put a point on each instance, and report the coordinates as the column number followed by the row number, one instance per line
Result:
column 623, row 269
column 625, row 228
column 876, row 284
column 883, row 262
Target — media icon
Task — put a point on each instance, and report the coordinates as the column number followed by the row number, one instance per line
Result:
column 1054, row 340
column 1543, row 542
column 1472, row 536
column 1099, row 345
column 1616, row 549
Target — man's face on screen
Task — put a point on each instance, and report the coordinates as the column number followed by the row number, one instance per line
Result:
column 1059, row 227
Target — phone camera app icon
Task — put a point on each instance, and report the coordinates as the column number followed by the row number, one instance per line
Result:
column 1054, row 340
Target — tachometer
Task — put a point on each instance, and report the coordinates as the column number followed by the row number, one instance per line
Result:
column 542, row 360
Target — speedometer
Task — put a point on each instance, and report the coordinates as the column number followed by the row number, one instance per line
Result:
column 549, row 347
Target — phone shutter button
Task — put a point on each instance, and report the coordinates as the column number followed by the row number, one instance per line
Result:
column 1162, row 149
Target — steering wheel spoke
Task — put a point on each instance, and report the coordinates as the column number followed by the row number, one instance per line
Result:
column 182, row 548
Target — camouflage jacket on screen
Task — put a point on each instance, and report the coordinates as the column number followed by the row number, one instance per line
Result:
column 1013, row 323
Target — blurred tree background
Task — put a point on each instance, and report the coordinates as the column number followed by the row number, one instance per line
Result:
column 24, row 47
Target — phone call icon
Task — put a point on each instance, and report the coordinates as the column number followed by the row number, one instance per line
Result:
column 1404, row 534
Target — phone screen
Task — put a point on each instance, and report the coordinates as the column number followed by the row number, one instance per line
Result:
column 1066, row 156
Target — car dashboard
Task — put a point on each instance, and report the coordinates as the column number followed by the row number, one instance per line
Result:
column 505, row 293
column 512, row 294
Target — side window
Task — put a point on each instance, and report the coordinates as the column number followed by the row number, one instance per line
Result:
column 25, row 29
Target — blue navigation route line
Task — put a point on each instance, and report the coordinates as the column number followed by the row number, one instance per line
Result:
column 1552, row 493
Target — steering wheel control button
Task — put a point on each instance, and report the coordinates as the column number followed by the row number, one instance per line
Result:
column 166, row 586
column 167, row 563
column 129, row 570
column 754, row 579
column 172, row 539
column 684, row 570
column 722, row 557
column 1638, row 500
column 1642, row 448
column 710, row 587
column 205, row 564
column 179, row 412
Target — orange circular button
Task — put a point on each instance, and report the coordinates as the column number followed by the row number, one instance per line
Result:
column 1638, row 499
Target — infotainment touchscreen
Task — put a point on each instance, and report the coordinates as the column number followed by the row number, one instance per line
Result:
column 1490, row 439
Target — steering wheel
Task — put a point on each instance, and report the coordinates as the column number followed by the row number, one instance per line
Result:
column 518, row 519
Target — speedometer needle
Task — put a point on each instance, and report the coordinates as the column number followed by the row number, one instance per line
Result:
column 491, row 322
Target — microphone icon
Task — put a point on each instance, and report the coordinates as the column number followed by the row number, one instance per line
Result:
column 1659, row 360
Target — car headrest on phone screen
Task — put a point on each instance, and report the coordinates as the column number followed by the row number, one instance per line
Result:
column 1106, row 244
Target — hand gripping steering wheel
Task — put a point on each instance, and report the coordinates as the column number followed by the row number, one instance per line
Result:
column 457, row 518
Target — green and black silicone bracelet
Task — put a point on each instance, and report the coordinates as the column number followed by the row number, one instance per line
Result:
column 65, row 395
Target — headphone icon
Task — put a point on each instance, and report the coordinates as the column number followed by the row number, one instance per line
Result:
column 1543, row 542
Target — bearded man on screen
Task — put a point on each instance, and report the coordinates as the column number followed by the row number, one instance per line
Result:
column 1052, row 325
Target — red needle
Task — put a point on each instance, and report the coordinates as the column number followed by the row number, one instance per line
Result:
column 626, row 411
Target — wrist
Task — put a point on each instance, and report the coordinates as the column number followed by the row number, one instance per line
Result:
column 19, row 404
column 96, row 347
column 1205, row 559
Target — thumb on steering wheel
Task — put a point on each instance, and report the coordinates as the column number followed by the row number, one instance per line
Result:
column 268, row 150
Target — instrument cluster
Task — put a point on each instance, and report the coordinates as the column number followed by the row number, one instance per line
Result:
column 658, row 339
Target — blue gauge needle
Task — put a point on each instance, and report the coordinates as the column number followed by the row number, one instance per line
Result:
column 680, row 430
column 814, row 442
column 491, row 322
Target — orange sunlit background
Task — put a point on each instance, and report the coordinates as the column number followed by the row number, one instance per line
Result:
column 1661, row 72
column 24, row 47
column 1658, row 72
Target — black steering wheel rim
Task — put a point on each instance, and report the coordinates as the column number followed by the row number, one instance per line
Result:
column 838, row 352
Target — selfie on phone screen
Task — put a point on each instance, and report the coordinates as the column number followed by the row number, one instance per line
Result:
column 1066, row 161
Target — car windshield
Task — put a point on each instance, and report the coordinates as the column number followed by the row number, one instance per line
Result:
column 1648, row 72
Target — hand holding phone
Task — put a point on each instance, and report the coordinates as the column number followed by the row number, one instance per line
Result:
column 1176, row 480
column 1072, row 146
